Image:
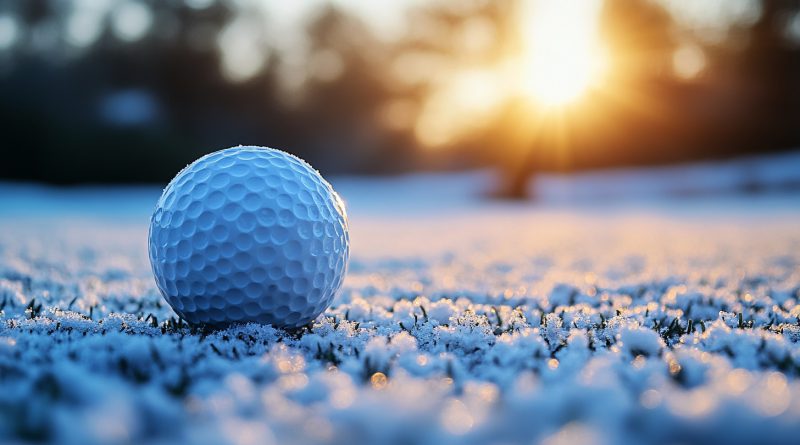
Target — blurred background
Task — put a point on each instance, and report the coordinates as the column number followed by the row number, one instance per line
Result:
column 130, row 91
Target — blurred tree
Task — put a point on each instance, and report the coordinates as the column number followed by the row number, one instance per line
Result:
column 638, row 37
column 341, row 103
column 121, row 110
column 743, row 100
column 136, row 100
column 769, row 68
column 443, row 70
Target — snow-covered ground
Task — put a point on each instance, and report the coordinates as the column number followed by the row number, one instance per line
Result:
column 628, row 307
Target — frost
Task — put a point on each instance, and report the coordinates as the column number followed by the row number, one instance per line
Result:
column 490, row 324
column 635, row 341
column 441, row 311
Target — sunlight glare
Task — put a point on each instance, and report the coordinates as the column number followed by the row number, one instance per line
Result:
column 688, row 61
column 467, row 100
column 562, row 58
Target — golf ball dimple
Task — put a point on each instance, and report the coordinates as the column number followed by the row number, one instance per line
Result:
column 249, row 234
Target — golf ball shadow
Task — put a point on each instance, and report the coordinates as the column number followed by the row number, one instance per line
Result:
column 249, row 234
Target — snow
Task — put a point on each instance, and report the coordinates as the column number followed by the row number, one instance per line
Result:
column 614, row 311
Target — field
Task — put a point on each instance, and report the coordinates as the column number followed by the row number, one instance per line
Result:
column 636, row 307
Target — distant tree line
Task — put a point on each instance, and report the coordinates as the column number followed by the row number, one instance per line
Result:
column 138, row 111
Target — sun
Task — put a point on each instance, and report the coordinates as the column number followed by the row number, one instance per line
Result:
column 562, row 57
column 558, row 60
column 558, row 82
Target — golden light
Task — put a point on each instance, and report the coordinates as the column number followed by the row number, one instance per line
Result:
column 562, row 56
column 558, row 59
column 464, row 101
column 688, row 61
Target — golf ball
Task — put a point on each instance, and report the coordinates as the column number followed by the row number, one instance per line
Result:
column 249, row 234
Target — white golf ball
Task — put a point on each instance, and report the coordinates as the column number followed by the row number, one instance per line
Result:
column 249, row 234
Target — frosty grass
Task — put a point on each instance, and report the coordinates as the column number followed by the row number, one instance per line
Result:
column 489, row 325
